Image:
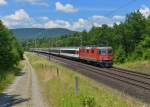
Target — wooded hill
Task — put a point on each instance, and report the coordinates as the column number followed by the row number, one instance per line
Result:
column 32, row 33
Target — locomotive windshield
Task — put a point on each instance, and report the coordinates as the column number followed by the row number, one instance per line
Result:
column 105, row 51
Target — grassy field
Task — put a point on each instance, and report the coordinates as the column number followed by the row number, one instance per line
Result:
column 58, row 88
column 139, row 66
column 8, row 79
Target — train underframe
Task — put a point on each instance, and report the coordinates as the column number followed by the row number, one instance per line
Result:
column 105, row 63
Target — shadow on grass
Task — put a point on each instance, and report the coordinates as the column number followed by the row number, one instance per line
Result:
column 17, row 71
column 7, row 100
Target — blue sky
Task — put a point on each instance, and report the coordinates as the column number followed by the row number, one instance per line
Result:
column 71, row 14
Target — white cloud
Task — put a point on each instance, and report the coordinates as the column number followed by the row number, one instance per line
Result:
column 34, row 2
column 3, row 2
column 80, row 24
column 98, row 17
column 96, row 20
column 19, row 17
column 37, row 25
column 68, row 8
column 117, row 17
column 99, row 20
column 57, row 24
column 145, row 11
column 44, row 18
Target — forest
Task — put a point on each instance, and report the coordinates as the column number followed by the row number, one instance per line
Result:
column 130, row 39
column 11, row 51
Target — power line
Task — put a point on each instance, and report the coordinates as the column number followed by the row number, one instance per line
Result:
column 125, row 5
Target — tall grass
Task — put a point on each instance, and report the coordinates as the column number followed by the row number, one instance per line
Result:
column 139, row 66
column 58, row 90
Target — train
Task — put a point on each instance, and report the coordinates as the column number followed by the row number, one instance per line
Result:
column 101, row 56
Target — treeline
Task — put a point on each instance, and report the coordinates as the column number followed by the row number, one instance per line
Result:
column 130, row 39
column 11, row 51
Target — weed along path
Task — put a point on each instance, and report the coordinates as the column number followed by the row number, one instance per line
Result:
column 24, row 92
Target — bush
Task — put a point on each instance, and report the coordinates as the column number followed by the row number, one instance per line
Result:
column 146, row 54
column 88, row 101
column 142, row 50
column 120, row 55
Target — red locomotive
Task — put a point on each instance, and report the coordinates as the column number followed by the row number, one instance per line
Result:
column 101, row 56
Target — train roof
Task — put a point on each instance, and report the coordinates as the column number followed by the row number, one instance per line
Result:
column 74, row 48
column 97, row 47
column 65, row 48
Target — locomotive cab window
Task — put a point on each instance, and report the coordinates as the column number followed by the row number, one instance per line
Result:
column 105, row 51
column 102, row 51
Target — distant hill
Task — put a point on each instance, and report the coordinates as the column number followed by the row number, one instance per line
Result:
column 29, row 33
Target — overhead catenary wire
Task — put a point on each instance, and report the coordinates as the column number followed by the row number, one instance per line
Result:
column 123, row 6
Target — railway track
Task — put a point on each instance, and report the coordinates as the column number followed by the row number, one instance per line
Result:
column 133, row 83
column 131, row 78
column 131, row 72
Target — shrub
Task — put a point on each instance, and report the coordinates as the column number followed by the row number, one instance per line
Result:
column 120, row 55
column 88, row 101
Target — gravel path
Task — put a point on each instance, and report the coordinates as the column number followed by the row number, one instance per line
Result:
column 24, row 92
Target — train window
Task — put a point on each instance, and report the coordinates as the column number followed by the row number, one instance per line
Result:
column 68, row 51
column 102, row 51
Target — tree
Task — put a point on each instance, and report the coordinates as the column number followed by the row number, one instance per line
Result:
column 134, row 28
column 10, row 50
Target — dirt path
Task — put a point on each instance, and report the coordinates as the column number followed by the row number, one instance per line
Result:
column 24, row 92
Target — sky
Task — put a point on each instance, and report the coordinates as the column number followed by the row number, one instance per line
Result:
column 71, row 14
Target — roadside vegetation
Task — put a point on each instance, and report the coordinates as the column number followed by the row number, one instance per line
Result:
column 10, row 76
column 10, row 55
column 130, row 39
column 139, row 66
column 58, row 87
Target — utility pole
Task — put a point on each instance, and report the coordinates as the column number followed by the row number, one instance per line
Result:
column 76, row 85
column 56, row 43
column 51, row 44
column 34, row 43
column 35, row 46
column 49, row 48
